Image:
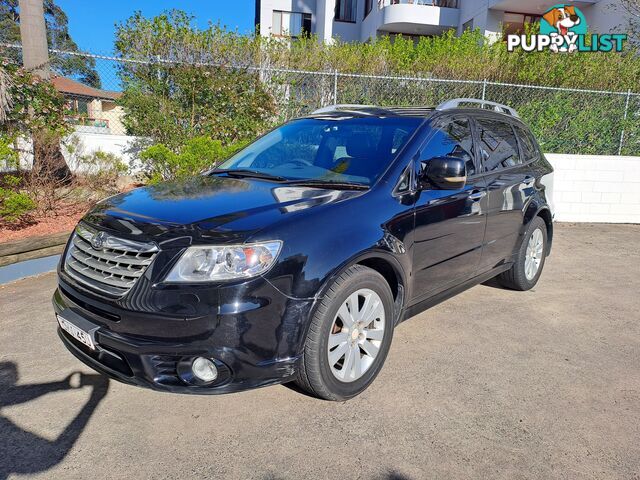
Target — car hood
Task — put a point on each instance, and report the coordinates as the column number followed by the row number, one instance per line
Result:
column 226, row 209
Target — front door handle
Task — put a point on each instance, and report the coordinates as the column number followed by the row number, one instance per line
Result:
column 477, row 195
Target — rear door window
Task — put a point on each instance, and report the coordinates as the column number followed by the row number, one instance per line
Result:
column 498, row 144
column 528, row 148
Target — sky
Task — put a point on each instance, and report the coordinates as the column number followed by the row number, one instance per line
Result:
column 92, row 24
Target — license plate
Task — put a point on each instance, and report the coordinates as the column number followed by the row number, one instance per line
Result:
column 75, row 332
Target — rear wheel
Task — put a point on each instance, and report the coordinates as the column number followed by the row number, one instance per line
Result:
column 349, row 336
column 526, row 270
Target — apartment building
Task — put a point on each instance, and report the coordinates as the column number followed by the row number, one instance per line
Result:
column 361, row 20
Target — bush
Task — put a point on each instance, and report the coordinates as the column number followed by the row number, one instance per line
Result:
column 159, row 162
column 14, row 204
column 169, row 102
column 101, row 170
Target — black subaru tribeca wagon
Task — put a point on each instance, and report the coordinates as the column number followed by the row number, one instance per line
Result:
column 295, row 259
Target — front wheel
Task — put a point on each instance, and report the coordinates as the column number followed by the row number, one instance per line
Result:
column 349, row 336
column 527, row 268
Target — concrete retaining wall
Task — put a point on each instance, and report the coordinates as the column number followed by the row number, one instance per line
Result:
column 596, row 188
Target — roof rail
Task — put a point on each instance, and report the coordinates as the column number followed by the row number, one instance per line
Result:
column 343, row 106
column 498, row 107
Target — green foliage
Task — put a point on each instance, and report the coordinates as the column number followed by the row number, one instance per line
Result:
column 81, row 68
column 14, row 204
column 159, row 162
column 8, row 156
column 171, row 102
column 36, row 105
column 466, row 57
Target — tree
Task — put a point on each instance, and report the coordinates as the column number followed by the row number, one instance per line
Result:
column 34, row 110
column 179, row 98
column 6, row 100
column 81, row 68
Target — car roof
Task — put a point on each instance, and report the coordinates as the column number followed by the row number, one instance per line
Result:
column 342, row 111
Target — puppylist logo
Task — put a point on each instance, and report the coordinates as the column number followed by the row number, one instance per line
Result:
column 563, row 28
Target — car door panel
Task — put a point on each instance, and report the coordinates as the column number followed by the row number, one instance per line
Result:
column 510, row 187
column 449, row 224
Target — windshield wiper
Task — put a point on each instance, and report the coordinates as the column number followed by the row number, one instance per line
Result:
column 314, row 182
column 243, row 172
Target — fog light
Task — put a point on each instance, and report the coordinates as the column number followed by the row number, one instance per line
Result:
column 204, row 369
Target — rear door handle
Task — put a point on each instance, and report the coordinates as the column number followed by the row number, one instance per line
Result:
column 475, row 196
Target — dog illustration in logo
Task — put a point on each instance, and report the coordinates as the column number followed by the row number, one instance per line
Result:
column 563, row 19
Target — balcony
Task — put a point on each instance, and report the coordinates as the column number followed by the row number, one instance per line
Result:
column 533, row 7
column 417, row 17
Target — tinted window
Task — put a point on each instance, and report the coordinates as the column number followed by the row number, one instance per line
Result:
column 345, row 149
column 498, row 145
column 528, row 148
column 452, row 139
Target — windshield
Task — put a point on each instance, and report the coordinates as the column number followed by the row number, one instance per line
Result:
column 342, row 150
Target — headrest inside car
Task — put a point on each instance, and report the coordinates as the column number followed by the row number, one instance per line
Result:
column 359, row 146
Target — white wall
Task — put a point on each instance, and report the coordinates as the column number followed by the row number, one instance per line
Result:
column 606, row 16
column 123, row 146
column 596, row 188
column 86, row 143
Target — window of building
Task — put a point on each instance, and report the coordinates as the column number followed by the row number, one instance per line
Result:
column 467, row 25
column 290, row 24
column 346, row 10
column 515, row 23
column 368, row 6
column 498, row 145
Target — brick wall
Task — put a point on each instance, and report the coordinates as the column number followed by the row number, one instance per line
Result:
column 596, row 188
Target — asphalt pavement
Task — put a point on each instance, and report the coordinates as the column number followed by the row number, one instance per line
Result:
column 493, row 383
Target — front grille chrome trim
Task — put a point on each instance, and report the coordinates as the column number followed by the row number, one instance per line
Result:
column 114, row 267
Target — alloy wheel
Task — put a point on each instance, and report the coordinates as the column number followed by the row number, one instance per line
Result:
column 356, row 335
column 533, row 257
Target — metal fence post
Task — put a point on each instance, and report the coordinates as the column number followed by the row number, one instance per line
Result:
column 624, row 120
column 335, row 86
column 484, row 89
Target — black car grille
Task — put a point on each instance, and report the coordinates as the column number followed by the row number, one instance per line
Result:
column 107, row 263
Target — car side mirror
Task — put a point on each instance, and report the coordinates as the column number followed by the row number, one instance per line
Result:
column 445, row 173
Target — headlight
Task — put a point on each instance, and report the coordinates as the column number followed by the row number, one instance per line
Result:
column 213, row 263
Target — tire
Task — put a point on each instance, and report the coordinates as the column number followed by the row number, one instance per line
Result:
column 317, row 374
column 518, row 278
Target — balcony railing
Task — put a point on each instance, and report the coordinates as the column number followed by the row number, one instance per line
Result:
column 88, row 121
column 428, row 3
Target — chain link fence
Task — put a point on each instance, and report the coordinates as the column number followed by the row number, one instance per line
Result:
column 589, row 122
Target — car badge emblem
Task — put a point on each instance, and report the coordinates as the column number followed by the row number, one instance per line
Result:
column 98, row 240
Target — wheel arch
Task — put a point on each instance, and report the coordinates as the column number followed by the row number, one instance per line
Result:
column 538, row 209
column 387, row 266
column 545, row 214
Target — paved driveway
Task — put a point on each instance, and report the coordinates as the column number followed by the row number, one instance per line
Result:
column 491, row 384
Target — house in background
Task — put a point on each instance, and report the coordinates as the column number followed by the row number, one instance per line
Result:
column 92, row 110
column 362, row 20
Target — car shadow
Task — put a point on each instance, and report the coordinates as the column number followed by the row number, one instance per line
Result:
column 23, row 452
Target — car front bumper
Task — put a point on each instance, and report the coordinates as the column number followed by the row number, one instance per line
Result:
column 252, row 346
